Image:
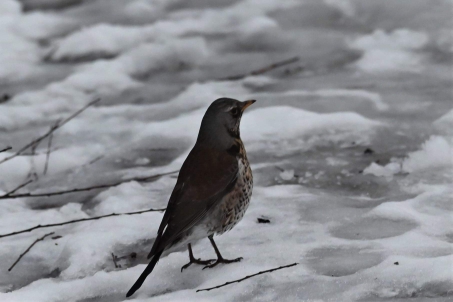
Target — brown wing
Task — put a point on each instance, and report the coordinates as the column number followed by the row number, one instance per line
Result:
column 206, row 175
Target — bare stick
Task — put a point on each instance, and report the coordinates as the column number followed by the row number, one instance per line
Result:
column 48, row 133
column 28, row 249
column 114, row 258
column 246, row 277
column 261, row 70
column 17, row 188
column 95, row 160
column 40, row 226
column 49, row 146
column 6, row 149
column 48, row 194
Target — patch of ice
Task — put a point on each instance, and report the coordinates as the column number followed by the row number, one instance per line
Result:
column 394, row 51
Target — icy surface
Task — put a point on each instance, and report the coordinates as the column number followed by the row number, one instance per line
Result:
column 351, row 147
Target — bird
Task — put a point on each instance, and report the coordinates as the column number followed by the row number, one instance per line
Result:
column 212, row 192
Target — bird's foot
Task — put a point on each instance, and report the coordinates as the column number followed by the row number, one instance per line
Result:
column 224, row 261
column 197, row 261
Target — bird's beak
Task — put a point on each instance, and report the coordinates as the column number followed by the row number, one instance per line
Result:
column 246, row 104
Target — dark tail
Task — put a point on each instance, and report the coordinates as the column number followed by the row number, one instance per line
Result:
column 145, row 274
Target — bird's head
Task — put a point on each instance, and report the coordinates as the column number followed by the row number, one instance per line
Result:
column 220, row 124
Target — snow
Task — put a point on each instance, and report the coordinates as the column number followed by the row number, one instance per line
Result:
column 10, row 7
column 390, row 51
column 101, row 40
column 108, row 40
column 436, row 152
column 19, row 39
column 362, row 226
column 444, row 124
column 343, row 94
column 287, row 174
column 386, row 171
column 102, row 78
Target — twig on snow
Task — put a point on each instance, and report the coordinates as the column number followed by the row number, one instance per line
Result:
column 95, row 160
column 36, row 141
column 75, row 190
column 261, row 70
column 247, row 277
column 16, row 188
column 28, row 249
column 6, row 149
column 40, row 226
column 114, row 258
column 49, row 146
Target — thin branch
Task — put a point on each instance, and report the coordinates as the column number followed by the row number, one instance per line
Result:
column 39, row 226
column 246, row 277
column 28, row 249
column 40, row 152
column 49, row 146
column 261, row 70
column 32, row 172
column 114, row 258
column 17, row 188
column 48, row 133
column 6, row 149
column 95, row 160
column 48, row 194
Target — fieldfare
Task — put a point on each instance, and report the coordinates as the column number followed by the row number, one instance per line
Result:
column 213, row 189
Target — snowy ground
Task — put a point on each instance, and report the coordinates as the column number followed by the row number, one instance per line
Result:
column 351, row 147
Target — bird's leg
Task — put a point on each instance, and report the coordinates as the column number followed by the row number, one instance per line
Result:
column 220, row 259
column 196, row 261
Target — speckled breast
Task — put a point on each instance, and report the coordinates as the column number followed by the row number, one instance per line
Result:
column 234, row 205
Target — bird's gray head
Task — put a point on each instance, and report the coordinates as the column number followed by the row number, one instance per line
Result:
column 220, row 124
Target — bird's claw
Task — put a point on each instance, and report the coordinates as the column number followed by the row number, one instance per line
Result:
column 224, row 261
column 197, row 261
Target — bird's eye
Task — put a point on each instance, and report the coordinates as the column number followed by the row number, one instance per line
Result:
column 235, row 111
